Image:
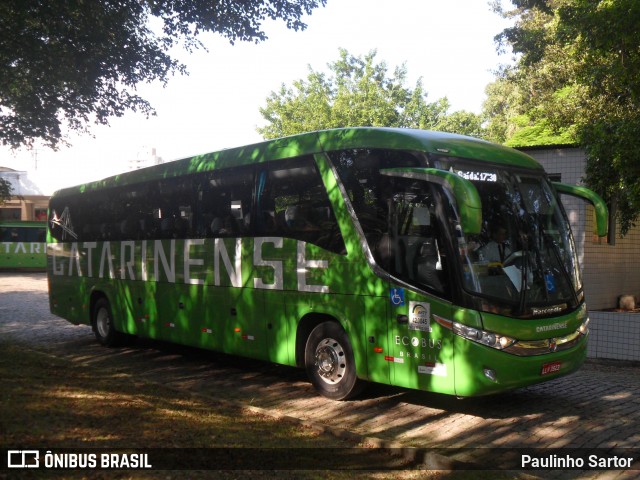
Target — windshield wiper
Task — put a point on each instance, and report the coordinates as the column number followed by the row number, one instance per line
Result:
column 524, row 280
column 553, row 246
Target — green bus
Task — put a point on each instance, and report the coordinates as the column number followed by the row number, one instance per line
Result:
column 23, row 245
column 360, row 254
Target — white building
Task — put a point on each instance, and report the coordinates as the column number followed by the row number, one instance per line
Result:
column 27, row 202
column 147, row 157
column 608, row 270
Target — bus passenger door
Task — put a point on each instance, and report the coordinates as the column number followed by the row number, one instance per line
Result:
column 421, row 349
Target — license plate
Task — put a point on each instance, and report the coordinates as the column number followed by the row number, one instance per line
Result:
column 549, row 368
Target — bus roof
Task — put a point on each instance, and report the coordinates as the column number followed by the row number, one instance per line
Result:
column 440, row 143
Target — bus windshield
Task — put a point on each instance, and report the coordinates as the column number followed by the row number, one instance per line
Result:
column 524, row 260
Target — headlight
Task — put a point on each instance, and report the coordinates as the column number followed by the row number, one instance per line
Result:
column 490, row 339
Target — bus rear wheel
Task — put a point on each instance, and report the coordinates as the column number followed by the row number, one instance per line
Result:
column 330, row 363
column 102, row 324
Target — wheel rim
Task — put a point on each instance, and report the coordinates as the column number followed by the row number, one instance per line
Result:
column 103, row 322
column 330, row 361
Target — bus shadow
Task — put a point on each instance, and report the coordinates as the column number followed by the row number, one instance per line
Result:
column 558, row 413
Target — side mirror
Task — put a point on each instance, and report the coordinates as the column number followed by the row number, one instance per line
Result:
column 602, row 214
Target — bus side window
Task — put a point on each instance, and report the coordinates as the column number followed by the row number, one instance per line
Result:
column 5, row 234
column 292, row 202
column 358, row 170
column 224, row 203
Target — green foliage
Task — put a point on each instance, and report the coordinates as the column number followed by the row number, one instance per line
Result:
column 6, row 190
column 69, row 63
column 534, row 102
column 577, row 78
column 463, row 122
column 359, row 91
column 538, row 134
column 502, row 107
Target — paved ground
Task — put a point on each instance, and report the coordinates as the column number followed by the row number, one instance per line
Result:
column 598, row 407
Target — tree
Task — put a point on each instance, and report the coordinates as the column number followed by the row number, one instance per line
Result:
column 463, row 122
column 358, row 91
column 6, row 190
column 70, row 63
column 532, row 103
column 519, row 113
column 580, row 63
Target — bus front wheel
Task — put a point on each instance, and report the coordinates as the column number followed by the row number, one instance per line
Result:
column 102, row 324
column 330, row 363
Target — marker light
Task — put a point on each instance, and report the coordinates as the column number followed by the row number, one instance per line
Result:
column 584, row 328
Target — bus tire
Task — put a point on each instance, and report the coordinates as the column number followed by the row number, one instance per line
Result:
column 102, row 324
column 330, row 363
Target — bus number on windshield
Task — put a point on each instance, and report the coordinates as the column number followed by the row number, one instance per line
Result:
column 479, row 176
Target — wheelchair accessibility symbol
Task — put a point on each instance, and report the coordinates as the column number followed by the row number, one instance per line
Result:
column 397, row 296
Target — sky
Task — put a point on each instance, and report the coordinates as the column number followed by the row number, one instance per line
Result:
column 449, row 43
